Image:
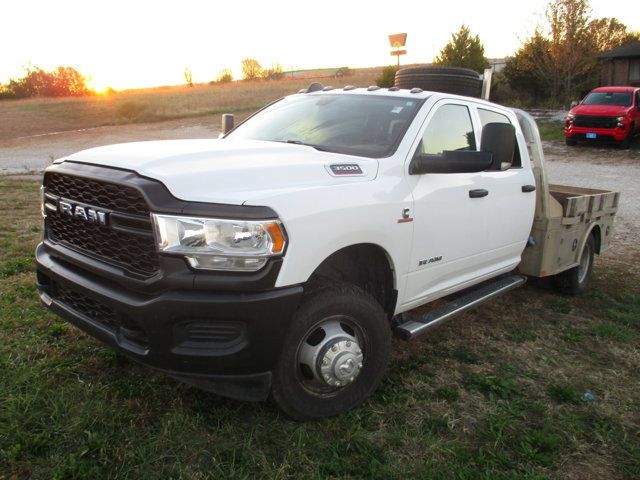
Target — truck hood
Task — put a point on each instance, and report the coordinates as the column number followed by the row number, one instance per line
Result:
column 228, row 171
column 600, row 110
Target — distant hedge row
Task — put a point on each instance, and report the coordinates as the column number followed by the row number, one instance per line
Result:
column 60, row 82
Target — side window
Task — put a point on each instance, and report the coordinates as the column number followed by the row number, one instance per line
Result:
column 450, row 128
column 489, row 116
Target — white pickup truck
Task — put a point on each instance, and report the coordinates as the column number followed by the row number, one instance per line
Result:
column 278, row 260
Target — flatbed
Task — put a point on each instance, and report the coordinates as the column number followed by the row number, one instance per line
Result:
column 565, row 217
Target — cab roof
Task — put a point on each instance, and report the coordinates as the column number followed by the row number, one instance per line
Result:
column 620, row 89
column 317, row 88
column 418, row 93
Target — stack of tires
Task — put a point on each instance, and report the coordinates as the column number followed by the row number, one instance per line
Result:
column 459, row 81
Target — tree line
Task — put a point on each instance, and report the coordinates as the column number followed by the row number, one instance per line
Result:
column 561, row 61
column 252, row 70
column 557, row 64
column 59, row 82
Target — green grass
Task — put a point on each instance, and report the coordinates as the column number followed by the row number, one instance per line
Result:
column 449, row 394
column 551, row 130
column 563, row 393
column 472, row 401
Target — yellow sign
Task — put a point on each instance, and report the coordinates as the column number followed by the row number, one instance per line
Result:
column 398, row 40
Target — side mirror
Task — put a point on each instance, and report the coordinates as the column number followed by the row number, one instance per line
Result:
column 455, row 161
column 499, row 140
column 227, row 123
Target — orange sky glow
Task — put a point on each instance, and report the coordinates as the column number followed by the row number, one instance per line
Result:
column 142, row 43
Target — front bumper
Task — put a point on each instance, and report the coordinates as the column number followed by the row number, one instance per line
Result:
column 606, row 134
column 227, row 342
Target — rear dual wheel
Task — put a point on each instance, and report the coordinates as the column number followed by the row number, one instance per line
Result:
column 576, row 280
column 335, row 354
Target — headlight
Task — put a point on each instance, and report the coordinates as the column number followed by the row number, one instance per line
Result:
column 569, row 120
column 216, row 244
column 42, row 200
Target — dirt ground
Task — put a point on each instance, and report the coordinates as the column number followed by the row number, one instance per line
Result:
column 588, row 166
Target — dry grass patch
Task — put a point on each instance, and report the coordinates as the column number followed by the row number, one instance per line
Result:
column 36, row 116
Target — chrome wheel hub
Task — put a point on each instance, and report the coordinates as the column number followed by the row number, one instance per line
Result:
column 331, row 354
column 341, row 363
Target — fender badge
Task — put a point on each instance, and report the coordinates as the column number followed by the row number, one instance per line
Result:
column 346, row 169
column 406, row 216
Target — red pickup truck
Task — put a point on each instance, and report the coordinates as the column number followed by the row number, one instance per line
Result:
column 606, row 113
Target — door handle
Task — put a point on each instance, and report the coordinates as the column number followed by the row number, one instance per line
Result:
column 528, row 188
column 478, row 193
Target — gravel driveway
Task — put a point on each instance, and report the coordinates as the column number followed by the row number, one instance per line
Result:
column 607, row 168
column 25, row 155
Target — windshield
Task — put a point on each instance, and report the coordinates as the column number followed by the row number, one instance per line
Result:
column 621, row 99
column 364, row 125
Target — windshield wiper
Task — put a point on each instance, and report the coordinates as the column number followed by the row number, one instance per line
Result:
column 317, row 147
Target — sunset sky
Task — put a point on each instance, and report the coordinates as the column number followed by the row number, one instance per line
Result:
column 137, row 43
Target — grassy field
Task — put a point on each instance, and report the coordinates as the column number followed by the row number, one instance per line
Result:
column 551, row 130
column 533, row 385
column 38, row 116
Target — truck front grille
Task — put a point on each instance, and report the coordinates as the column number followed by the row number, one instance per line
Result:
column 592, row 121
column 126, row 241
column 110, row 196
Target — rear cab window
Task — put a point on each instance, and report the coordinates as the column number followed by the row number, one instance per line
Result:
column 490, row 116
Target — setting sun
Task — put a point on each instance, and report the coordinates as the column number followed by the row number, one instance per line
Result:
column 97, row 87
column 142, row 44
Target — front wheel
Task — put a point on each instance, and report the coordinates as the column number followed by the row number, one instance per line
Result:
column 576, row 279
column 626, row 143
column 335, row 354
column 570, row 142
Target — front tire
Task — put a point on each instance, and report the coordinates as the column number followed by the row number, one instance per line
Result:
column 626, row 143
column 576, row 280
column 570, row 142
column 335, row 354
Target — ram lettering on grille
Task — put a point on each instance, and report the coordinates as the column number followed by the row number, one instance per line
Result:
column 102, row 220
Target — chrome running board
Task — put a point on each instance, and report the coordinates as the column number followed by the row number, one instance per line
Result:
column 416, row 326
